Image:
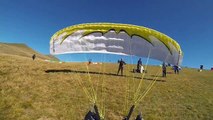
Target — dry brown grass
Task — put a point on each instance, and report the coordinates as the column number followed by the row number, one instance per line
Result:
column 27, row 92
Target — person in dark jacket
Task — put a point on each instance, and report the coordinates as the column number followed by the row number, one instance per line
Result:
column 201, row 68
column 34, row 56
column 121, row 66
column 176, row 69
column 139, row 65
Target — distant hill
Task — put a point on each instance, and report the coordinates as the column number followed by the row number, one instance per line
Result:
column 23, row 50
column 52, row 57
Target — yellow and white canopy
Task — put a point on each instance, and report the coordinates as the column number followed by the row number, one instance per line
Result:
column 115, row 38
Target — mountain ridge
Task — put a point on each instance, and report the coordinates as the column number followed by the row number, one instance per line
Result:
column 23, row 50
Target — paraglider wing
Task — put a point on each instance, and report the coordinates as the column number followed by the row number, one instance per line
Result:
column 122, row 39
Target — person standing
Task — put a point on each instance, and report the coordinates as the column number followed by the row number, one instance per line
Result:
column 201, row 68
column 139, row 66
column 164, row 69
column 34, row 56
column 176, row 69
column 121, row 66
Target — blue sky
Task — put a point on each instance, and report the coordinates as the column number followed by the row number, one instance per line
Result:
column 189, row 22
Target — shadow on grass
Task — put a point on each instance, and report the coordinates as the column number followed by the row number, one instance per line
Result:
column 97, row 73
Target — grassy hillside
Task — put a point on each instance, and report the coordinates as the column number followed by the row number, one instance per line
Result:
column 22, row 50
column 39, row 90
column 51, row 57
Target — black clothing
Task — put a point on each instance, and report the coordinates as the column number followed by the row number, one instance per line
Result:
column 34, row 56
column 139, row 65
column 93, row 115
column 139, row 117
column 176, row 69
column 201, row 67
